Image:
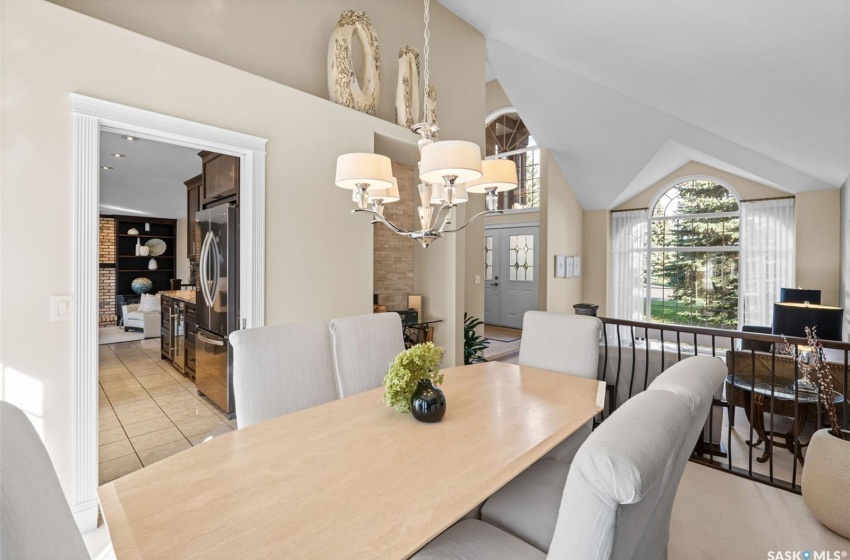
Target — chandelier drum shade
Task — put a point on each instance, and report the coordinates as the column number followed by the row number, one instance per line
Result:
column 444, row 168
column 373, row 170
column 457, row 159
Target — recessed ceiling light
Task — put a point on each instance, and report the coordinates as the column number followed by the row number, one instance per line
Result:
column 105, row 167
column 118, row 155
column 130, row 138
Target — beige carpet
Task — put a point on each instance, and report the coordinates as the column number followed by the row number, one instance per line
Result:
column 722, row 516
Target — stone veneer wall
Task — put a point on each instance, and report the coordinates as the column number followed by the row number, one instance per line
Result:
column 393, row 259
column 107, row 275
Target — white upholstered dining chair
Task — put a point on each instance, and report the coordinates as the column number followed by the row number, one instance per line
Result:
column 35, row 518
column 363, row 348
column 565, row 343
column 528, row 506
column 281, row 369
column 613, row 494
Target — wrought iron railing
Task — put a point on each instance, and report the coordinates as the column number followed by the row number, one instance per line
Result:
column 763, row 381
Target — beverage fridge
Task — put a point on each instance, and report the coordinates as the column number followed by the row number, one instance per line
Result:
column 217, row 304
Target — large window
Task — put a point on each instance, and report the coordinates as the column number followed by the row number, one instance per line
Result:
column 693, row 256
column 509, row 138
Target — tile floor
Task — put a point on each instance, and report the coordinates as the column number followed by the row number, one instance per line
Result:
column 148, row 410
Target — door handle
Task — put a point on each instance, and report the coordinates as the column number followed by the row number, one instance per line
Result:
column 495, row 284
column 209, row 341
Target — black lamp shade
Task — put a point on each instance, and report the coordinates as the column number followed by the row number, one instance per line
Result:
column 794, row 295
column 791, row 319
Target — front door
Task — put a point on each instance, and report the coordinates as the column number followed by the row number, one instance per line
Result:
column 511, row 259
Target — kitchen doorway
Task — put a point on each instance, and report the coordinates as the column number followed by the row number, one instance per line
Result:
column 92, row 116
column 511, row 273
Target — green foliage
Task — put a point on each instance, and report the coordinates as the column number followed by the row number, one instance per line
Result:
column 700, row 288
column 473, row 344
column 408, row 368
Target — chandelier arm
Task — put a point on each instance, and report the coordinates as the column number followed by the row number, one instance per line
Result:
column 447, row 219
column 473, row 218
column 448, row 208
column 379, row 218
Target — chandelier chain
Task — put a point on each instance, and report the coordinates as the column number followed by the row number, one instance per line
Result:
column 426, row 74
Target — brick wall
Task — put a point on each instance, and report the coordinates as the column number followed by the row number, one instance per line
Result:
column 393, row 260
column 107, row 275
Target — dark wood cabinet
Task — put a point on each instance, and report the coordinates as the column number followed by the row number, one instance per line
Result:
column 193, row 204
column 179, row 329
column 191, row 332
column 220, row 179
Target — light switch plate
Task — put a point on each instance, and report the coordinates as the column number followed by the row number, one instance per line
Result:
column 60, row 308
column 477, row 278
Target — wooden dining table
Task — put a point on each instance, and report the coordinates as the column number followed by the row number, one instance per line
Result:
column 350, row 478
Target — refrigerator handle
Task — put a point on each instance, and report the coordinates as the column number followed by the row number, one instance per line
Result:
column 202, row 338
column 205, row 250
column 216, row 255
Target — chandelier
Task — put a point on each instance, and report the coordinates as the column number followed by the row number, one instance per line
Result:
column 448, row 171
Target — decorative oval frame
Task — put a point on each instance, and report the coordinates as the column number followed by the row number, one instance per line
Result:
column 343, row 86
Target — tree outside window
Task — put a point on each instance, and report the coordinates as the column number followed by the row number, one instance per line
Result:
column 693, row 262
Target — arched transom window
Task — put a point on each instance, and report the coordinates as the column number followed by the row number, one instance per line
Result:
column 693, row 255
column 509, row 138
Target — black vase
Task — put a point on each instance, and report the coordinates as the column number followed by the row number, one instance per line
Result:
column 428, row 404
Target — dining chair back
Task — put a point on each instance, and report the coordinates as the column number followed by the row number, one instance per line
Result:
column 564, row 343
column 619, row 476
column 561, row 342
column 363, row 348
column 35, row 518
column 281, row 369
column 696, row 380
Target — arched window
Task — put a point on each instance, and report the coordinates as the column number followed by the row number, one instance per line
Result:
column 509, row 138
column 693, row 255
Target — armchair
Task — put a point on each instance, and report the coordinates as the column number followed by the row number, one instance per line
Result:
column 150, row 323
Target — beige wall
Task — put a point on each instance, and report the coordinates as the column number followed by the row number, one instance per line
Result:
column 318, row 261
column 496, row 97
column 817, row 216
column 287, row 42
column 563, row 225
column 595, row 258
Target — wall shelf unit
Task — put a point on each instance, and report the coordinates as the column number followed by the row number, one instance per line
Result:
column 128, row 266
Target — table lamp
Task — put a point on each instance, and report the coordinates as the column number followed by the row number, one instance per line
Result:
column 791, row 319
column 799, row 295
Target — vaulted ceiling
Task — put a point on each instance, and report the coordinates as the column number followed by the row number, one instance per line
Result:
column 625, row 92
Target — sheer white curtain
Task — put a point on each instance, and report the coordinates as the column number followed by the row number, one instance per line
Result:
column 628, row 264
column 767, row 258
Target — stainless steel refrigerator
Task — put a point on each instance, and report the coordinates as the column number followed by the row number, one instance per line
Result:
column 217, row 304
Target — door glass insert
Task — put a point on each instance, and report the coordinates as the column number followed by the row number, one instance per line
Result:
column 521, row 258
column 488, row 257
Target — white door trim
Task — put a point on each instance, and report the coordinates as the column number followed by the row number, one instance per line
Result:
column 90, row 116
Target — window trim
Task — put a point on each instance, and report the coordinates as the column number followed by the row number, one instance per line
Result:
column 650, row 218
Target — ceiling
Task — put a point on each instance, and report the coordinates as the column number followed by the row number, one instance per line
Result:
column 625, row 92
column 149, row 181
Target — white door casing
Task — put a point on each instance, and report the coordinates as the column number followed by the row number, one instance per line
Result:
column 90, row 117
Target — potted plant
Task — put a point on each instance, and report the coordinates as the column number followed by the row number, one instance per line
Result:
column 409, row 384
column 825, row 483
column 473, row 344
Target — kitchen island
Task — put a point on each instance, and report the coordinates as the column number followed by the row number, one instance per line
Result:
column 179, row 327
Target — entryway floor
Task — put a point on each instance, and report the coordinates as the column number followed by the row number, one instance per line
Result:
column 504, row 343
column 148, row 410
